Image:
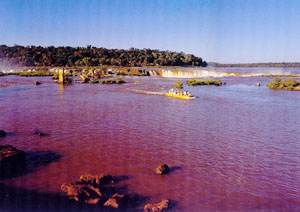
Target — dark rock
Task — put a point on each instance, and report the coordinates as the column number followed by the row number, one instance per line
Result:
column 12, row 161
column 161, row 206
column 2, row 133
column 37, row 83
column 162, row 169
column 37, row 132
column 85, row 80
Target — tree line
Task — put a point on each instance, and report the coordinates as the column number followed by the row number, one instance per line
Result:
column 92, row 56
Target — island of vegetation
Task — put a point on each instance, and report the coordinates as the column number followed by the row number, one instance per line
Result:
column 29, row 56
column 194, row 82
column 131, row 72
column 291, row 84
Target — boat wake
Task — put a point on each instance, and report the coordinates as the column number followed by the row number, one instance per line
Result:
column 149, row 92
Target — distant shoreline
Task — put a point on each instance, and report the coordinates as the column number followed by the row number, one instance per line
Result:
column 255, row 65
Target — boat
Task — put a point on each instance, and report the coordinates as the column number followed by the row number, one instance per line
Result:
column 180, row 94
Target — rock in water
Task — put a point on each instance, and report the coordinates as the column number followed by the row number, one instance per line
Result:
column 37, row 132
column 12, row 161
column 87, row 188
column 82, row 193
column 96, row 180
column 161, row 206
column 37, row 83
column 162, row 169
column 258, row 84
column 2, row 133
column 117, row 201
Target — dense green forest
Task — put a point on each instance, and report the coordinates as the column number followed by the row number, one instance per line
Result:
column 92, row 56
column 253, row 65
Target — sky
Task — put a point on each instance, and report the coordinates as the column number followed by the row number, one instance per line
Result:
column 224, row 31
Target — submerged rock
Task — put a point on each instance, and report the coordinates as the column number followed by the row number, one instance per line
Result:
column 2, row 133
column 12, row 160
column 162, row 169
column 161, row 206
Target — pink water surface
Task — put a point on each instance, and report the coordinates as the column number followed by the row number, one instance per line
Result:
column 235, row 148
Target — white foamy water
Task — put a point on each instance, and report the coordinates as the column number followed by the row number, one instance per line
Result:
column 194, row 73
column 226, row 72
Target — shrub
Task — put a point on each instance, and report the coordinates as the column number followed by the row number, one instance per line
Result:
column 291, row 83
column 178, row 85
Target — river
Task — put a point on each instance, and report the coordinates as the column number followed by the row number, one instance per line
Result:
column 234, row 148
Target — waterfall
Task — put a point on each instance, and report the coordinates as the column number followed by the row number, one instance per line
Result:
column 194, row 73
column 213, row 73
column 153, row 73
column 202, row 73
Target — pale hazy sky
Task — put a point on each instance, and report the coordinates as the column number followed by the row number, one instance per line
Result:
column 228, row 31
